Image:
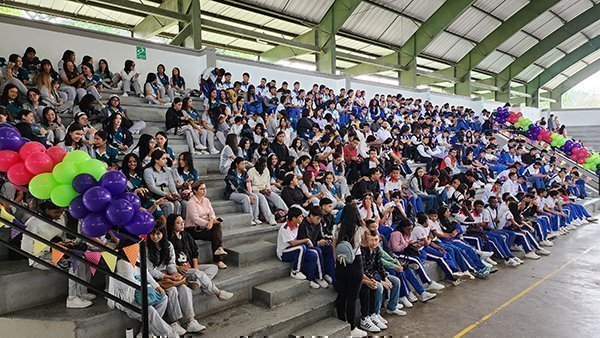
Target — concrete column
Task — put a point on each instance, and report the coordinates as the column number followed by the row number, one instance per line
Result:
column 408, row 78
column 558, row 98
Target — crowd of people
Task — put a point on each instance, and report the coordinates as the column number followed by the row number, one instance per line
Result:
column 363, row 190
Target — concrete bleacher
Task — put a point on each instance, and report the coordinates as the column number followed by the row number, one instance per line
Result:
column 589, row 135
column 267, row 301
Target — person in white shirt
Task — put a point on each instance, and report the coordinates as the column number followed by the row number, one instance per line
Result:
column 535, row 176
column 78, row 297
column 384, row 132
column 511, row 186
column 292, row 250
column 500, row 239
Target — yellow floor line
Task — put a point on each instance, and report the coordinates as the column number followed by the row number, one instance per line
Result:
column 519, row 295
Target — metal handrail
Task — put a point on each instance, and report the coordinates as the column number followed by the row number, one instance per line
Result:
column 143, row 287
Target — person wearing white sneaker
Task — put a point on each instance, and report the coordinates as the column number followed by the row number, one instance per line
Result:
column 426, row 296
column 375, row 320
column 78, row 294
column 194, row 327
column 522, row 230
column 260, row 177
column 367, row 325
column 239, row 189
column 310, row 228
column 435, row 286
column 542, row 251
column 290, row 249
column 531, row 255
column 411, row 297
column 356, row 332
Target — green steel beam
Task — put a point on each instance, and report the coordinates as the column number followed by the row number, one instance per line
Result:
column 196, row 38
column 322, row 36
column 576, row 78
column 438, row 21
column 564, row 63
column 153, row 25
column 547, row 44
column 462, row 69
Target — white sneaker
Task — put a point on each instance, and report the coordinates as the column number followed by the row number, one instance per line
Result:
column 78, row 303
column 214, row 151
column 375, row 320
column 272, row 221
column 546, row 243
column 297, row 275
column 201, row 147
column 399, row 306
column 313, row 285
column 411, row 297
column 434, row 286
column 178, row 329
column 381, row 319
column 531, row 255
column 252, row 222
column 491, row 261
column 511, row 262
column 367, row 325
column 396, row 312
column 457, row 282
column 427, row 296
column 571, row 227
column 553, row 234
column 125, row 94
column 405, row 302
column 88, row 296
column 484, row 262
column 518, row 260
column 225, row 295
column 486, row 254
column 323, row 284
column 194, row 326
column 468, row 275
column 516, row 248
column 328, row 279
column 257, row 221
column 357, row 333
column 542, row 251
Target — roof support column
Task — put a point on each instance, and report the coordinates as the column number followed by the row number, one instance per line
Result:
column 408, row 77
column 558, row 97
column 326, row 58
column 534, row 91
column 463, row 86
column 195, row 39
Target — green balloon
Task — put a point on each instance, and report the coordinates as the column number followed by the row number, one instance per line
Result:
column 93, row 167
column 76, row 157
column 63, row 194
column 65, row 172
column 41, row 185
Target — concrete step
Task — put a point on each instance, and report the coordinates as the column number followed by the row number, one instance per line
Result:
column 328, row 327
column 250, row 253
column 4, row 236
column 278, row 292
column 24, row 287
column 233, row 221
column 222, row 206
column 235, row 236
column 253, row 320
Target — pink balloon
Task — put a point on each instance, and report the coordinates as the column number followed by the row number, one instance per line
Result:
column 30, row 148
column 8, row 158
column 19, row 175
column 38, row 163
column 57, row 154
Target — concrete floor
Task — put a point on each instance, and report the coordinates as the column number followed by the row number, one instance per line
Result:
column 556, row 296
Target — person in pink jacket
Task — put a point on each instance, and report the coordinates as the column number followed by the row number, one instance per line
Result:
column 202, row 223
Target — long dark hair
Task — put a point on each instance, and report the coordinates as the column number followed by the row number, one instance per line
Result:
column 235, row 163
column 128, row 65
column 44, row 121
column 177, row 245
column 231, row 141
column 67, row 55
column 87, row 102
column 106, row 70
column 163, row 255
column 125, row 165
column 72, row 128
column 189, row 160
column 4, row 97
column 350, row 221
column 163, row 134
column 143, row 145
column 514, row 209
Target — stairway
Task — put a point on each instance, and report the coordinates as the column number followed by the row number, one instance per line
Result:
column 588, row 134
column 267, row 301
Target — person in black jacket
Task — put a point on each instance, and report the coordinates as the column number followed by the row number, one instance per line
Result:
column 368, row 184
column 119, row 136
column 183, row 125
column 311, row 228
column 279, row 148
column 292, row 195
column 305, row 125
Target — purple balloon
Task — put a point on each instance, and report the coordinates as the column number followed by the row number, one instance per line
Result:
column 119, row 212
column 96, row 199
column 95, row 225
column 141, row 223
column 133, row 199
column 77, row 209
column 114, row 181
column 10, row 139
column 83, row 182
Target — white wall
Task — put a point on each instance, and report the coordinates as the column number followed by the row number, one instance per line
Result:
column 577, row 117
column 50, row 44
column 455, row 100
column 372, row 88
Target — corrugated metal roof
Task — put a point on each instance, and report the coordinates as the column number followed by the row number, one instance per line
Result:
column 543, row 25
column 442, row 44
column 549, row 58
column 572, row 43
column 369, row 21
column 419, row 9
column 592, row 30
column 496, row 62
column 592, row 57
column 473, row 24
column 312, row 10
column 560, row 78
column 569, row 9
column 502, row 9
column 518, row 44
column 399, row 31
column 575, row 68
column 530, row 73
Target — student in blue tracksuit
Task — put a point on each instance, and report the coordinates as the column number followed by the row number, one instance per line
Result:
column 503, row 238
column 311, row 228
column 512, row 220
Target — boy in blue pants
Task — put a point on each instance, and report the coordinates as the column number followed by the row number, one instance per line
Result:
column 292, row 250
column 311, row 229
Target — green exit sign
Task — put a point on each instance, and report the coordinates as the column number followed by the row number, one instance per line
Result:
column 140, row 52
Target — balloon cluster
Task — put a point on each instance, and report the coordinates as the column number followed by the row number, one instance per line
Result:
column 592, row 162
column 501, row 116
column 57, row 184
column 104, row 204
column 22, row 160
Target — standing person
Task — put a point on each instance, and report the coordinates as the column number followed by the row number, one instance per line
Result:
column 161, row 266
column 203, row 224
column 349, row 276
column 79, row 297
